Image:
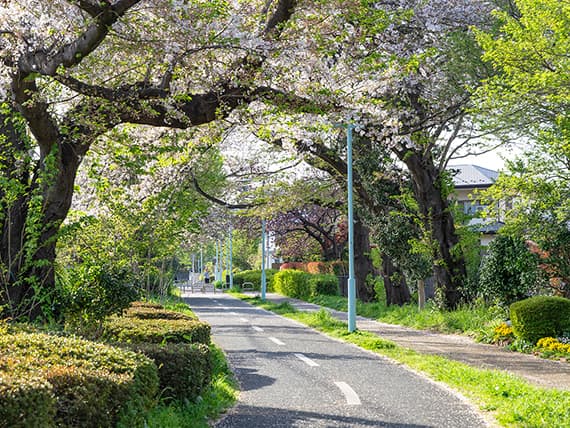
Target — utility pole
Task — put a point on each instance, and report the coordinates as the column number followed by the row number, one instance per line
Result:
column 263, row 277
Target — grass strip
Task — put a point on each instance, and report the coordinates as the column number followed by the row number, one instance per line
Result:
column 513, row 402
column 474, row 320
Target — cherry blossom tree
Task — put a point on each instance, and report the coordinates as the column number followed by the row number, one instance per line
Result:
column 73, row 70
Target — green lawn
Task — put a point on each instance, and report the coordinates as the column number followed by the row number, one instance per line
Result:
column 476, row 320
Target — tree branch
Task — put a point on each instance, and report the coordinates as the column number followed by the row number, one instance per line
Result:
column 219, row 201
column 73, row 53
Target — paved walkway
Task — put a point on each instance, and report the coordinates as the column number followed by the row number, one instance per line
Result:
column 541, row 372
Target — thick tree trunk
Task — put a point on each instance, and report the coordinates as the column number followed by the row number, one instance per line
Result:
column 331, row 251
column 362, row 262
column 397, row 291
column 421, row 294
column 30, row 221
column 449, row 268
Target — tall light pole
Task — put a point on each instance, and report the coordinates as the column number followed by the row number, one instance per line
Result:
column 351, row 278
column 263, row 276
column 230, row 265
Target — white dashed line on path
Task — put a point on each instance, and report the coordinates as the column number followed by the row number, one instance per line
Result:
column 276, row 341
column 243, row 319
column 256, row 328
column 234, row 313
column 351, row 396
column 306, row 360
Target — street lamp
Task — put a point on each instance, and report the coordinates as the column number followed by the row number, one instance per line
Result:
column 351, row 279
column 230, row 264
column 263, row 276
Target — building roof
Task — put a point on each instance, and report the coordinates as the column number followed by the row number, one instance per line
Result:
column 472, row 176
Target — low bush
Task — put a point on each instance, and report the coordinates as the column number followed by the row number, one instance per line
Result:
column 145, row 313
column 72, row 382
column 149, row 305
column 540, row 316
column 292, row 283
column 503, row 334
column 25, row 401
column 254, row 276
column 324, row 285
column 553, row 345
column 293, row 265
column 319, row 267
column 184, row 369
column 509, row 271
column 134, row 330
column 88, row 294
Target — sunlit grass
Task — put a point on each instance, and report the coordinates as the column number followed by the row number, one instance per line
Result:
column 473, row 320
column 513, row 402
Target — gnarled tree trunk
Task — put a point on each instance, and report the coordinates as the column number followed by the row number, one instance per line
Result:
column 449, row 268
column 36, row 197
column 362, row 262
column 397, row 291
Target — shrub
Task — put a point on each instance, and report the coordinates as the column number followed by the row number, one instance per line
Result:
column 540, row 316
column 339, row 267
column 91, row 293
column 134, row 330
column 25, row 401
column 72, row 382
column 553, row 345
column 184, row 369
column 503, row 334
column 145, row 313
column 149, row 305
column 324, row 284
column 509, row 271
column 293, row 265
column 319, row 267
column 292, row 283
column 254, row 276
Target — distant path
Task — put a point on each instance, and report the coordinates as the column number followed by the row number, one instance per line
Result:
column 292, row 376
column 539, row 371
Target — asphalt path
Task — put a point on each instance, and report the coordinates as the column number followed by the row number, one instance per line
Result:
column 292, row 376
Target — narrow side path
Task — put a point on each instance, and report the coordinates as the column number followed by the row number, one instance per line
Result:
column 540, row 372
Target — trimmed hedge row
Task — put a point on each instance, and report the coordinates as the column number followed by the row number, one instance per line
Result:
column 146, row 313
column 540, row 316
column 136, row 330
column 254, row 276
column 176, row 342
column 302, row 285
column 48, row 381
column 184, row 369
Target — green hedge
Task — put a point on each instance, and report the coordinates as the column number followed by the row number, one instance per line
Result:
column 301, row 285
column 184, row 369
column 254, row 276
column 135, row 330
column 146, row 313
column 148, row 305
column 540, row 316
column 324, row 284
column 71, row 382
column 292, row 283
column 25, row 401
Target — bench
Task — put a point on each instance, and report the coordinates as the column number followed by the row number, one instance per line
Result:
column 247, row 286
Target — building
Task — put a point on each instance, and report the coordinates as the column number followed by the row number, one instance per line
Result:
column 468, row 180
